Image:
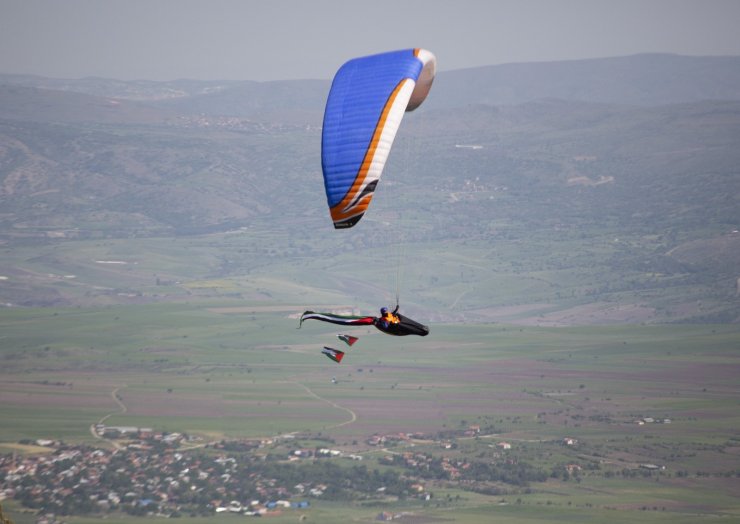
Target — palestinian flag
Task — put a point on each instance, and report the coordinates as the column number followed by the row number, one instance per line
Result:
column 343, row 320
column 348, row 339
column 333, row 354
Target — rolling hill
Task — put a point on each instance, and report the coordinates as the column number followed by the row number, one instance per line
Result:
column 641, row 150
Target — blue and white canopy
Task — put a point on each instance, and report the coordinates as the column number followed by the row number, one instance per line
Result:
column 367, row 101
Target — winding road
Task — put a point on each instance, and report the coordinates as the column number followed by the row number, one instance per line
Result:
column 122, row 409
column 352, row 414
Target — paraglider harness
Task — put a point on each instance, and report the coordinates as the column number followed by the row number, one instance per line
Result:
column 387, row 318
column 404, row 326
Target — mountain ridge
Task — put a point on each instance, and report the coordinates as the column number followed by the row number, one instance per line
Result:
column 636, row 180
column 641, row 79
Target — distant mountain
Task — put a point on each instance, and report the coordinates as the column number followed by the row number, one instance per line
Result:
column 222, row 153
column 130, row 90
column 644, row 80
column 640, row 148
column 131, row 166
column 283, row 101
column 18, row 102
column 647, row 79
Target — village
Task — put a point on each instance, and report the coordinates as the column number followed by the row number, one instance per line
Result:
column 146, row 472
column 172, row 474
column 139, row 480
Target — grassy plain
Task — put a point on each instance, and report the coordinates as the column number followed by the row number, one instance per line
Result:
column 546, row 225
column 199, row 335
column 231, row 369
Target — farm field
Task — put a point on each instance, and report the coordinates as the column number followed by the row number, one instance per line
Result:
column 553, row 278
column 606, row 404
column 573, row 247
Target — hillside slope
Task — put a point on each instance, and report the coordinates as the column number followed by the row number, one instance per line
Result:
column 626, row 188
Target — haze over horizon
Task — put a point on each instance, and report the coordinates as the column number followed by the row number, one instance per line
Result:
column 289, row 39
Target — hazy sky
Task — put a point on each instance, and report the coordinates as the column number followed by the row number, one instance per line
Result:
column 291, row 39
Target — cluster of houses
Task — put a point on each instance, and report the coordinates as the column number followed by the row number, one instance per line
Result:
column 144, row 434
column 256, row 508
column 229, row 123
column 391, row 439
column 387, row 516
column 152, row 473
column 84, row 480
column 453, row 467
column 651, row 420
column 308, row 453
column 141, row 434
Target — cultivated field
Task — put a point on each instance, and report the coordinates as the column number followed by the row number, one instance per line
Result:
column 221, row 369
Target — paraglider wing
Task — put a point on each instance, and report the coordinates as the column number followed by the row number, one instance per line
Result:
column 334, row 354
column 367, row 101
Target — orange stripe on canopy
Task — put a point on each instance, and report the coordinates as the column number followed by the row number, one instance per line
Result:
column 337, row 212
